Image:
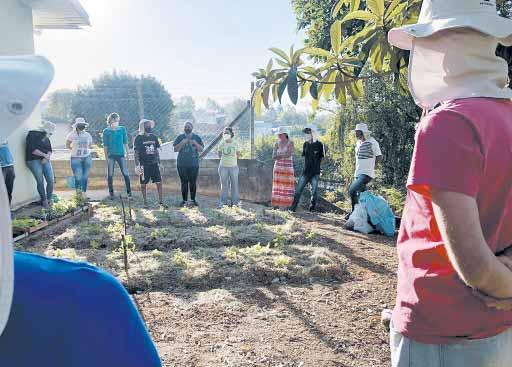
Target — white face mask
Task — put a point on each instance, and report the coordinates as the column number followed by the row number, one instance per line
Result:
column 456, row 64
column 23, row 80
column 227, row 137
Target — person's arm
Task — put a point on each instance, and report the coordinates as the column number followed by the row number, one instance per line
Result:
column 125, row 143
column 136, row 152
column 458, row 219
column 69, row 143
column 377, row 152
column 289, row 151
column 378, row 160
column 105, row 140
column 40, row 154
column 198, row 144
column 179, row 143
column 274, row 153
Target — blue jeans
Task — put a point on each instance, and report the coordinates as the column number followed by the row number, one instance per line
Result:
column 303, row 181
column 81, row 168
column 229, row 175
column 489, row 352
column 121, row 162
column 42, row 172
column 358, row 186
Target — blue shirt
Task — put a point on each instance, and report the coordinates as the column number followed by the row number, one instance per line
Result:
column 115, row 140
column 188, row 156
column 72, row 314
column 6, row 159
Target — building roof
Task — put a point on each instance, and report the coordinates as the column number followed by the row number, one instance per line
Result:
column 58, row 14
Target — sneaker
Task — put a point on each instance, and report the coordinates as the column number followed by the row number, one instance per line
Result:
column 312, row 208
column 347, row 217
column 194, row 203
column 111, row 197
column 163, row 206
column 292, row 209
column 220, row 206
column 183, row 204
column 129, row 195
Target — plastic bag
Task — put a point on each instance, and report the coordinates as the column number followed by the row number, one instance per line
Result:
column 358, row 220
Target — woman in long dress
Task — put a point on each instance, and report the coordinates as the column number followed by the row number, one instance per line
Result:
column 283, row 183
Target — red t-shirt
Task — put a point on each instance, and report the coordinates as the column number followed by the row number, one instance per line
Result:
column 464, row 146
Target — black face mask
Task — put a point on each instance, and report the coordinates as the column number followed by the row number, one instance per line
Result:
column 148, row 130
column 188, row 131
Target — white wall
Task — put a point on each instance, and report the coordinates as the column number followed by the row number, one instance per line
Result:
column 17, row 38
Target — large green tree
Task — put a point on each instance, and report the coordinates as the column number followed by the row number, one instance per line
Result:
column 131, row 96
column 349, row 45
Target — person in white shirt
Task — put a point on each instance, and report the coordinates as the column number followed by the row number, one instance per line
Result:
column 368, row 154
column 80, row 141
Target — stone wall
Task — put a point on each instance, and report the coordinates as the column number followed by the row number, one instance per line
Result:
column 255, row 179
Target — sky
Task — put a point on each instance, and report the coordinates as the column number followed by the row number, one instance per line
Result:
column 201, row 48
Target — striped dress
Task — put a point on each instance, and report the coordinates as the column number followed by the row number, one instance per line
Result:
column 283, row 183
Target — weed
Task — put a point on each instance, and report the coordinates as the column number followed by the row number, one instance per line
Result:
column 231, row 253
column 159, row 233
column 258, row 250
column 157, row 254
column 179, row 258
column 282, row 261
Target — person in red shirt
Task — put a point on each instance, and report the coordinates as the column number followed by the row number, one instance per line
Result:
column 454, row 293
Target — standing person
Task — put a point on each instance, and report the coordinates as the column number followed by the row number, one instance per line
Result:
column 38, row 154
column 188, row 146
column 80, row 141
column 115, row 145
column 368, row 155
column 283, row 181
column 229, row 153
column 313, row 152
column 147, row 159
column 454, row 293
column 7, row 165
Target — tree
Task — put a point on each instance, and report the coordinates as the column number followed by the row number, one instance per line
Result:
column 184, row 111
column 356, row 50
column 130, row 96
column 60, row 106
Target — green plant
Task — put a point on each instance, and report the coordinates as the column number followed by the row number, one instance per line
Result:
column 157, row 254
column 159, row 233
column 25, row 223
column 231, row 253
column 179, row 258
column 282, row 261
column 258, row 250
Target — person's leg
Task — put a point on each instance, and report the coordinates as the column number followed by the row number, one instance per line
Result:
column 123, row 165
column 182, row 172
column 303, row 181
column 50, row 179
column 9, row 176
column 193, row 174
column 86, row 168
column 224, row 178
column 77, row 168
column 314, row 192
column 359, row 185
column 143, row 189
column 36, row 168
column 110, row 176
column 234, row 185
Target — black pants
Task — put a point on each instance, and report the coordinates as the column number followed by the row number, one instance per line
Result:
column 188, row 177
column 8, row 173
column 358, row 186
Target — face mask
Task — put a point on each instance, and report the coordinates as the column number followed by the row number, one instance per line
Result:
column 23, row 80
column 188, row 131
column 227, row 137
column 148, row 130
column 456, row 64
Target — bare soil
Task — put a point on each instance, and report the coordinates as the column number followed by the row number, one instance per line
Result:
column 243, row 287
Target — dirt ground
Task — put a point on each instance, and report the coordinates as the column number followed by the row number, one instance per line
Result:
column 243, row 287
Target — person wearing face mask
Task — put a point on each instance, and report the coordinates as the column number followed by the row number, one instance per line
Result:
column 80, row 141
column 188, row 146
column 38, row 153
column 454, row 292
column 368, row 155
column 7, row 165
column 115, row 145
column 313, row 152
column 146, row 147
column 229, row 153
column 55, row 312
column 283, row 181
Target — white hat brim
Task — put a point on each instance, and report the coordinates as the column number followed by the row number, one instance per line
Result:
column 495, row 26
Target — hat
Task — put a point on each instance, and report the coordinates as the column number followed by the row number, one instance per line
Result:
column 80, row 121
column 438, row 15
column 282, row 130
column 23, row 80
column 142, row 124
column 363, row 128
column 48, row 127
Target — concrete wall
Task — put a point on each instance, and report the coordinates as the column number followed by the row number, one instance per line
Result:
column 16, row 28
column 255, row 179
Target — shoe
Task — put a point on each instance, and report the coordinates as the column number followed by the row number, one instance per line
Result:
column 129, row 195
column 312, row 208
column 183, row 204
column 347, row 217
column 163, row 206
column 194, row 203
column 111, row 197
column 293, row 209
column 220, row 206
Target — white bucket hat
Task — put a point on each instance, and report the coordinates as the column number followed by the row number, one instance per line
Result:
column 142, row 123
column 23, row 80
column 363, row 128
column 438, row 15
column 80, row 121
column 282, row 130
